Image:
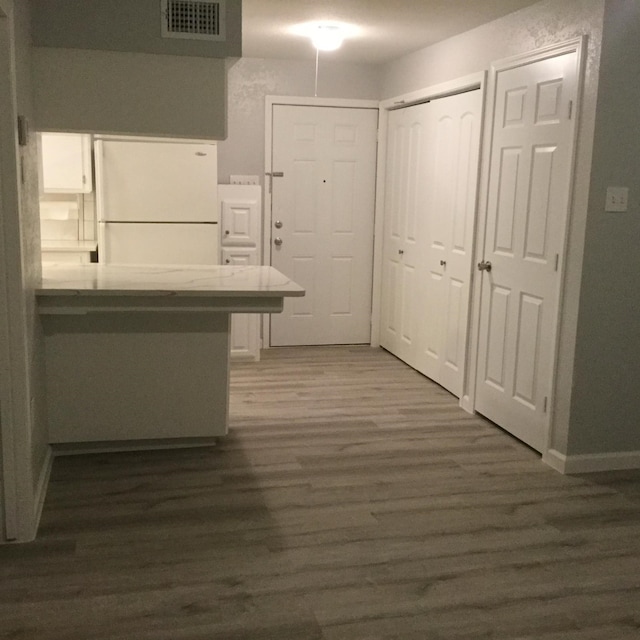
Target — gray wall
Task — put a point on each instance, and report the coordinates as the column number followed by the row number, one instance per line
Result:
column 22, row 259
column 101, row 66
column 124, row 25
column 129, row 93
column 251, row 79
column 605, row 408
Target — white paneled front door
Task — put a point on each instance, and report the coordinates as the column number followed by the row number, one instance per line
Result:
column 322, row 221
column 528, row 199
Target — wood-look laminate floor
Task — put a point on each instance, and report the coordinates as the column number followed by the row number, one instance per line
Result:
column 352, row 500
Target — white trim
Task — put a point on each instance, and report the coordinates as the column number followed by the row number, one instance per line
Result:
column 577, row 45
column 41, row 487
column 581, row 50
column 301, row 101
column 459, row 85
column 592, row 462
column 10, row 516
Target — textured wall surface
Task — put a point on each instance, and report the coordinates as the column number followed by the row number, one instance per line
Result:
column 251, row 79
column 29, row 446
column 606, row 402
column 129, row 93
column 125, row 25
column 30, row 233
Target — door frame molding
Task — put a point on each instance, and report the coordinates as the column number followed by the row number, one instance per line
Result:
column 574, row 45
column 18, row 507
column 267, row 221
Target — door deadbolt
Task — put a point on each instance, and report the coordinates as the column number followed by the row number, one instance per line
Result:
column 278, row 224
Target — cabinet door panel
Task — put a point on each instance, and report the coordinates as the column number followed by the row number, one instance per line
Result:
column 65, row 163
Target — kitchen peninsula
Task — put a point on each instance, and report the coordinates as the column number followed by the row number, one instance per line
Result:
column 138, row 357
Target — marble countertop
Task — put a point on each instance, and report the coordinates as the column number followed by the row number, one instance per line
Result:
column 96, row 280
column 80, row 246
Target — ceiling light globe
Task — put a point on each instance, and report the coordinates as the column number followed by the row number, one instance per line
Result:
column 327, row 38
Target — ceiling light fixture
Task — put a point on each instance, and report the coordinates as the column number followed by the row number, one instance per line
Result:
column 327, row 37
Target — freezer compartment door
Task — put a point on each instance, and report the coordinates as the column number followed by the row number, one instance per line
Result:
column 156, row 181
column 135, row 243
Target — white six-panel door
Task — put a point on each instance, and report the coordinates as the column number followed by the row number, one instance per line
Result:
column 451, row 190
column 404, row 230
column 322, row 222
column 528, row 197
column 430, row 203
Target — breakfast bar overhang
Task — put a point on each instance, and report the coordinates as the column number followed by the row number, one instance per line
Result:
column 138, row 357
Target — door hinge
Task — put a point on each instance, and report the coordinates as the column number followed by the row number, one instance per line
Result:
column 570, row 109
column 557, row 261
column 546, row 403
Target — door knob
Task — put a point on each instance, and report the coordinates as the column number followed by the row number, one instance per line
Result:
column 278, row 224
column 277, row 242
column 485, row 265
column 401, row 252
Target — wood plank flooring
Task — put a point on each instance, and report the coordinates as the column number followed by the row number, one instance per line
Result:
column 352, row 500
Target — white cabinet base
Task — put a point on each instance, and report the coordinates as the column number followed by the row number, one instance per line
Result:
column 132, row 377
column 245, row 336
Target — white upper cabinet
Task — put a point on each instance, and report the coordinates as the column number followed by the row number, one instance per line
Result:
column 65, row 163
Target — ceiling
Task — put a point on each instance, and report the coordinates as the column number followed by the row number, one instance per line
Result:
column 385, row 29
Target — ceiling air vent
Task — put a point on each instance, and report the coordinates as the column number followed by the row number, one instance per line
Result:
column 192, row 20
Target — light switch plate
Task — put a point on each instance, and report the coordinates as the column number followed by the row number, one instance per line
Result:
column 617, row 199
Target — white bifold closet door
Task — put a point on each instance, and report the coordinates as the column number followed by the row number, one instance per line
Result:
column 430, row 203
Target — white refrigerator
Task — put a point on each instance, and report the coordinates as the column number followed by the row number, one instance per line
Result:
column 156, row 202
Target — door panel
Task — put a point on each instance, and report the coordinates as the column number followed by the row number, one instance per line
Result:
column 451, row 176
column 430, row 207
column 529, row 178
column 322, row 211
column 407, row 145
column 161, row 243
column 157, row 181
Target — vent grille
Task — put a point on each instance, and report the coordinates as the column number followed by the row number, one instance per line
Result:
column 193, row 20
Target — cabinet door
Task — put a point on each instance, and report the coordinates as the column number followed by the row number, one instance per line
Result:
column 245, row 327
column 65, row 163
column 240, row 222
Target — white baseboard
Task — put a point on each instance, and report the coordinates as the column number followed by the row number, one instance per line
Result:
column 116, row 446
column 592, row 462
column 41, row 488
